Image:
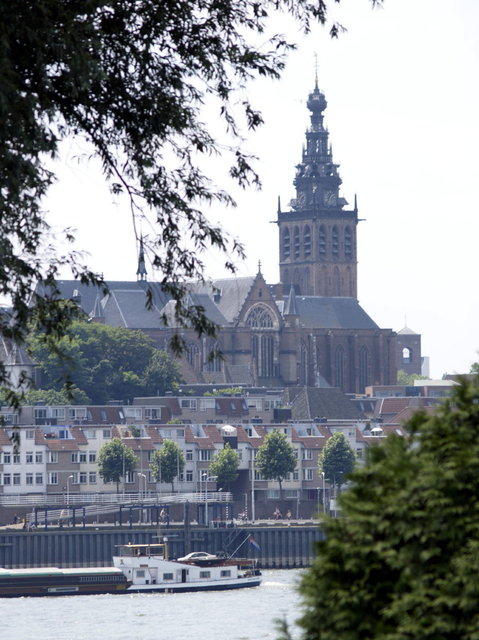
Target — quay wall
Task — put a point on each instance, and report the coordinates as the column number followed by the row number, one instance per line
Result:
column 280, row 546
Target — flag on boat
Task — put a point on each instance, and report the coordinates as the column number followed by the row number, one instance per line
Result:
column 254, row 543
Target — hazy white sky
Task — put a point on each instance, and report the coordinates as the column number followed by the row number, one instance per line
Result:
column 403, row 109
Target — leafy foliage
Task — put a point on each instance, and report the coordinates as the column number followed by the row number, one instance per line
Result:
column 336, row 459
column 275, row 457
column 403, row 562
column 161, row 374
column 225, row 465
column 115, row 460
column 129, row 77
column 228, row 391
column 52, row 397
column 408, row 378
column 104, row 362
column 167, row 462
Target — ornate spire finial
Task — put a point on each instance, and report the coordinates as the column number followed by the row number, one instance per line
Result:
column 315, row 70
column 259, row 266
column 141, row 271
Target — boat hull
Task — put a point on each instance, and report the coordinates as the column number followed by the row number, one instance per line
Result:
column 222, row 585
column 60, row 582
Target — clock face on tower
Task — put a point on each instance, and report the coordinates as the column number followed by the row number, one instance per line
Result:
column 330, row 198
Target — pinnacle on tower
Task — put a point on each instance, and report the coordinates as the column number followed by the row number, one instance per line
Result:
column 141, row 272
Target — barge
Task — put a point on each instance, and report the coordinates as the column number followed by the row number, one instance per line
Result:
column 137, row 568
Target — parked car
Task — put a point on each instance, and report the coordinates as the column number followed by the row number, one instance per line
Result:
column 197, row 555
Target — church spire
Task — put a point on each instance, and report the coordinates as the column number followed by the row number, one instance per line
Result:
column 318, row 235
column 141, row 271
column 291, row 308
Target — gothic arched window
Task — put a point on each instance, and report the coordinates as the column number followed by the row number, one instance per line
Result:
column 259, row 317
column 322, row 241
column 349, row 282
column 407, row 355
column 339, row 367
column 307, row 241
column 363, row 368
column 336, row 282
column 335, row 242
column 266, row 360
column 348, row 242
column 286, row 243
column 297, row 243
column 192, row 355
column 214, row 361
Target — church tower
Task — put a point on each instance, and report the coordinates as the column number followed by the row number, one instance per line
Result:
column 318, row 235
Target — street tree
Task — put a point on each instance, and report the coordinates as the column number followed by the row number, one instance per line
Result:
column 130, row 79
column 225, row 465
column 336, row 459
column 403, row 562
column 115, row 460
column 275, row 458
column 167, row 462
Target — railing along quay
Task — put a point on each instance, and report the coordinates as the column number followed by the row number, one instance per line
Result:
column 113, row 498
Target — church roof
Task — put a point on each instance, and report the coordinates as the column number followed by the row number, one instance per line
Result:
column 228, row 294
column 125, row 304
column 406, row 331
column 332, row 313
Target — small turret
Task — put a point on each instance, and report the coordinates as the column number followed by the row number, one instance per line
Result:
column 141, row 272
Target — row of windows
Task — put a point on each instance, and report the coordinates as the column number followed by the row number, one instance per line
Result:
column 203, row 455
column 83, row 456
column 92, row 434
column 74, row 413
column 292, row 243
column 8, row 479
column 32, row 479
column 30, row 457
column 91, row 477
column 37, row 457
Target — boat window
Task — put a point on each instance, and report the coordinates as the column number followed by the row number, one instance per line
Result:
column 167, row 576
column 205, row 574
column 140, row 573
column 226, row 573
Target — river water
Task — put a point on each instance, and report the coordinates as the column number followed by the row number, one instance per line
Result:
column 245, row 614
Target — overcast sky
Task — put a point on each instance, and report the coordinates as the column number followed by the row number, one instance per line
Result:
column 403, row 110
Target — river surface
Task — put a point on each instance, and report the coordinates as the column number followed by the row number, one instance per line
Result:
column 245, row 614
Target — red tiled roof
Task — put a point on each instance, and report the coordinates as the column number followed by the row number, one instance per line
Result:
column 77, row 433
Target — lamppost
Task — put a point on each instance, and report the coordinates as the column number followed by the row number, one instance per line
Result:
column 252, row 486
column 208, row 479
column 124, row 479
column 140, row 492
column 324, row 493
column 68, row 489
column 140, row 496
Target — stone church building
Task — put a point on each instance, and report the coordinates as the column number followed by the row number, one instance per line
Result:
column 308, row 330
